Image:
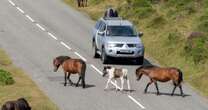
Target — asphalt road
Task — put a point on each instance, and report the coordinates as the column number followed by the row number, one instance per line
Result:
column 34, row 32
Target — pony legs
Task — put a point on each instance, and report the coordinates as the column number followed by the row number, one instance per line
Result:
column 122, row 83
column 85, row 3
column 173, row 90
column 107, row 83
column 181, row 90
column 78, row 81
column 116, row 85
column 128, row 84
column 145, row 90
column 65, row 78
column 68, row 77
column 157, row 88
column 83, row 82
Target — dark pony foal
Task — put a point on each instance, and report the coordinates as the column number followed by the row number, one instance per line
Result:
column 161, row 74
column 19, row 104
column 71, row 66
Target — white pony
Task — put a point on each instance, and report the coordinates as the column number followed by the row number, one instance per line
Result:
column 115, row 73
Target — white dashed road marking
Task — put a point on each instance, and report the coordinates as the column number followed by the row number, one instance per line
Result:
column 65, row 45
column 18, row 8
column 43, row 29
column 135, row 101
column 32, row 20
column 50, row 34
column 80, row 56
column 101, row 73
column 12, row 3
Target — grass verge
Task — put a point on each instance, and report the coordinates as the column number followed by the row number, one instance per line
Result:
column 23, row 87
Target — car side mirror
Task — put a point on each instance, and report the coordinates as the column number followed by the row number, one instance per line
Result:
column 140, row 34
column 101, row 33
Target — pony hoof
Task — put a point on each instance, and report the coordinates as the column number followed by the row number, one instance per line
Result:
column 64, row 84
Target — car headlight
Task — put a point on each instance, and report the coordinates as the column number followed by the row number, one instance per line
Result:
column 110, row 45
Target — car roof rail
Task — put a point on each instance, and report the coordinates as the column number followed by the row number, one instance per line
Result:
column 112, row 18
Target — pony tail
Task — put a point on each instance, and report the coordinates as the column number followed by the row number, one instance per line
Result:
column 180, row 76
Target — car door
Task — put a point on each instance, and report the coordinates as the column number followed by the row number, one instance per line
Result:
column 100, row 35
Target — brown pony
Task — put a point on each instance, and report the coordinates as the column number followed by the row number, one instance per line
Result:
column 19, row 104
column 82, row 3
column 71, row 66
column 161, row 74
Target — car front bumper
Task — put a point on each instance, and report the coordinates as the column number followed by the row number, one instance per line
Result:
column 125, row 52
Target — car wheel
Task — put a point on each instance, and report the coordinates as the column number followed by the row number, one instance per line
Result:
column 140, row 60
column 104, row 57
column 96, row 55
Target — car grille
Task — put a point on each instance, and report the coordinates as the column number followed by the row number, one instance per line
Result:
column 131, row 45
column 119, row 45
column 128, row 53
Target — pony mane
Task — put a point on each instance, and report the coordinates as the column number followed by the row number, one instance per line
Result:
column 62, row 58
column 146, row 67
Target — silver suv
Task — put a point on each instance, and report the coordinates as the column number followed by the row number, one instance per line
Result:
column 117, row 38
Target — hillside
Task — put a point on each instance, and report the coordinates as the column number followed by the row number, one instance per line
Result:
column 175, row 32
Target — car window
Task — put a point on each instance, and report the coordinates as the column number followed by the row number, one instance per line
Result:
column 121, row 31
column 103, row 27
column 97, row 25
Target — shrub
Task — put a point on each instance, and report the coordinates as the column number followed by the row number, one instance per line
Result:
column 5, row 78
column 203, row 26
column 181, row 7
column 143, row 12
column 157, row 22
column 138, row 8
column 173, row 37
column 141, row 3
column 96, row 1
column 196, row 48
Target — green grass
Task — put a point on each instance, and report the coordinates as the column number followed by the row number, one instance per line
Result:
column 6, row 78
column 23, row 86
column 167, row 25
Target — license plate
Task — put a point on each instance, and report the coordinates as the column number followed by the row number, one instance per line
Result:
column 125, row 51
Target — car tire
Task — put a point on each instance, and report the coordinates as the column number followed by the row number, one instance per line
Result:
column 104, row 57
column 96, row 55
column 140, row 60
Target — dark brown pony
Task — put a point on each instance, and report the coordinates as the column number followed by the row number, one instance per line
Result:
column 82, row 3
column 71, row 66
column 19, row 104
column 161, row 74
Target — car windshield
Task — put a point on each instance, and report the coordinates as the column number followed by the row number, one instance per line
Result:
column 126, row 31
